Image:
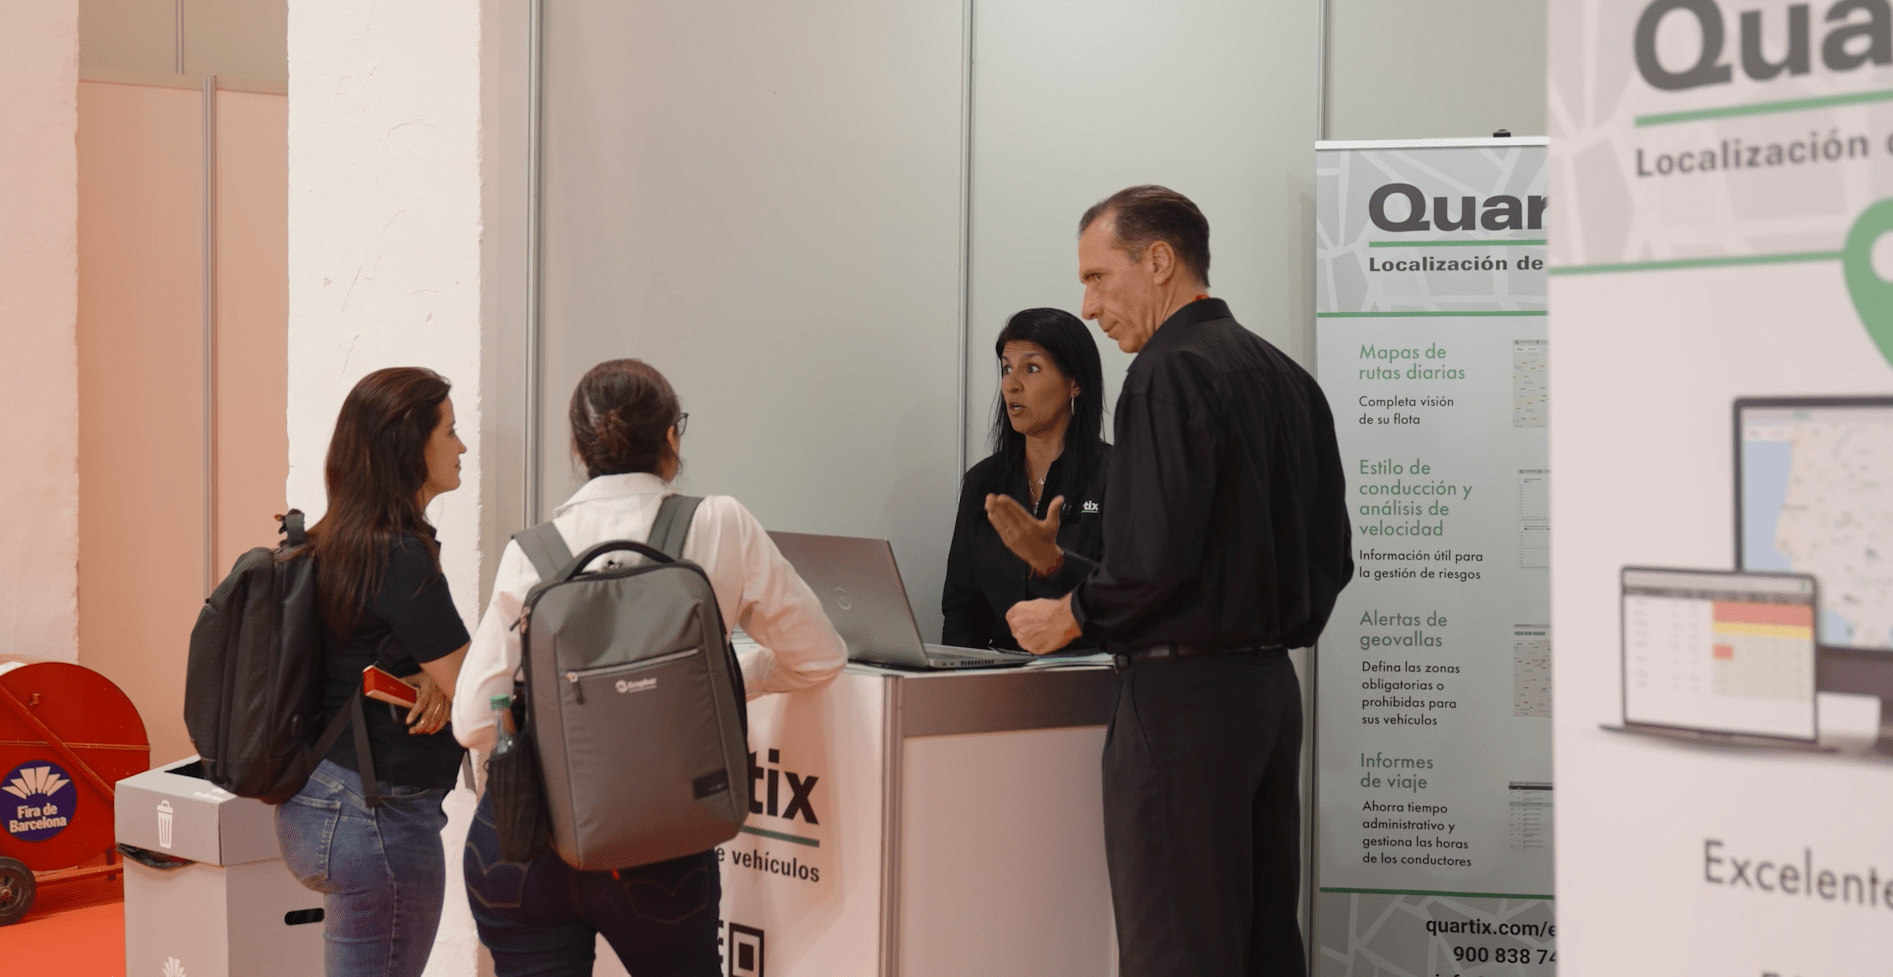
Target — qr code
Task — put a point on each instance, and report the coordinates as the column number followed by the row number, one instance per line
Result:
column 745, row 951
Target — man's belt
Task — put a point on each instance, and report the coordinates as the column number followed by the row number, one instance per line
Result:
column 1174, row 652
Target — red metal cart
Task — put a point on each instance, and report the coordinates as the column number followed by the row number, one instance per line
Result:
column 67, row 734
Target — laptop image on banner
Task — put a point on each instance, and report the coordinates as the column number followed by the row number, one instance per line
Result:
column 1719, row 657
column 862, row 594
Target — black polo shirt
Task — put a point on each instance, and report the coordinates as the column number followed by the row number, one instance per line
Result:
column 983, row 578
column 414, row 609
column 1228, row 522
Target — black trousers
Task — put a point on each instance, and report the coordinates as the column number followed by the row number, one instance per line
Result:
column 1202, row 818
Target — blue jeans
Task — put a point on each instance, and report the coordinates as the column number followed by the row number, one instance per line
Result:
column 382, row 872
column 542, row 918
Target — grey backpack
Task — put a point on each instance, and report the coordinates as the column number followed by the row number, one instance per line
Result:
column 633, row 699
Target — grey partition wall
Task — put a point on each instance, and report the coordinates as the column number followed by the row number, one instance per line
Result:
column 765, row 202
column 1072, row 102
column 1389, row 73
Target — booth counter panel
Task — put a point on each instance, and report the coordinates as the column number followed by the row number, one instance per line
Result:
column 992, row 700
column 1002, row 855
column 923, row 823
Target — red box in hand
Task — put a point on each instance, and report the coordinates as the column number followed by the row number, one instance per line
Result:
column 379, row 683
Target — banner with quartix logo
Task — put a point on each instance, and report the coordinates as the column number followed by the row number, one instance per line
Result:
column 1722, row 479
column 802, row 881
column 1434, row 724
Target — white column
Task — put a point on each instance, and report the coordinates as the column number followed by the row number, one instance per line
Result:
column 384, row 265
column 39, row 312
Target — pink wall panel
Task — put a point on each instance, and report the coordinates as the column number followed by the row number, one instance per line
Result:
column 252, row 319
column 140, row 393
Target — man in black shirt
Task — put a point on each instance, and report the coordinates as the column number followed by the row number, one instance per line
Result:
column 1226, row 543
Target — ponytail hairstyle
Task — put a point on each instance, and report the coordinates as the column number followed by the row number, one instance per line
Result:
column 621, row 415
column 376, row 466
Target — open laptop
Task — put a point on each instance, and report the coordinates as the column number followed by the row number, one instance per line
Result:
column 861, row 591
column 1720, row 657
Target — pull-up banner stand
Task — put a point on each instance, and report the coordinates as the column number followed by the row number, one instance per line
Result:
column 1433, row 744
column 1722, row 290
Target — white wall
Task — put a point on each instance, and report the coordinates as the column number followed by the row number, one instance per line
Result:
column 39, row 309
column 384, row 231
column 1419, row 69
column 385, row 265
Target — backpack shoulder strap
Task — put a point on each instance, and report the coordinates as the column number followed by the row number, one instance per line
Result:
column 292, row 529
column 672, row 525
column 352, row 715
column 543, row 545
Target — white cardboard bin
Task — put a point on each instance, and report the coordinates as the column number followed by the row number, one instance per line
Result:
column 236, row 911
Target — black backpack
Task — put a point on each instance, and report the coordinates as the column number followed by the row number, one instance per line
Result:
column 253, row 687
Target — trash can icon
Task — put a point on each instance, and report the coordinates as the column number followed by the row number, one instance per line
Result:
column 164, row 824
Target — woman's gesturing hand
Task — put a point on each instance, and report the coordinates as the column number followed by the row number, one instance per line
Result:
column 432, row 706
column 1033, row 540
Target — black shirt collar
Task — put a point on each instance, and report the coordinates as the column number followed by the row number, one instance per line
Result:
column 1171, row 332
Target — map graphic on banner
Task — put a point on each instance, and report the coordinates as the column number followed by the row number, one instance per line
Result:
column 1722, row 479
column 1434, row 853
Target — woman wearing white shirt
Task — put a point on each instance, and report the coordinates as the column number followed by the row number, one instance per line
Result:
column 541, row 917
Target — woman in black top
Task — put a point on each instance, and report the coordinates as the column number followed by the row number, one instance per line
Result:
column 383, row 600
column 1046, row 451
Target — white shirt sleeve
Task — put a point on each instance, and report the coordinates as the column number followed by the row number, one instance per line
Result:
column 494, row 654
column 758, row 590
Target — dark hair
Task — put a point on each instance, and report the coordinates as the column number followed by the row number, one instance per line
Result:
column 1152, row 213
column 1066, row 340
column 621, row 414
column 376, row 466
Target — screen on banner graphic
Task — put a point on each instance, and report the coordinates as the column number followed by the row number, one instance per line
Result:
column 1722, row 275
column 1817, row 488
column 1434, row 743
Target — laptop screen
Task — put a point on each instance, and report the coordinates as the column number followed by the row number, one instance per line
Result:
column 1812, row 486
column 1720, row 652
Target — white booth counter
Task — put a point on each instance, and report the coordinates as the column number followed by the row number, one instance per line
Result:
column 920, row 824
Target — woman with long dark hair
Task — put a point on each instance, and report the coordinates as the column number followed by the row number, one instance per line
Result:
column 1046, row 449
column 383, row 601
column 543, row 917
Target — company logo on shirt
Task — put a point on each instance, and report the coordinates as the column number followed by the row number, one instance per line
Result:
column 45, row 798
column 1090, row 508
column 173, row 967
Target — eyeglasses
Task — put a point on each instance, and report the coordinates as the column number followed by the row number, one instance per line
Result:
column 683, row 421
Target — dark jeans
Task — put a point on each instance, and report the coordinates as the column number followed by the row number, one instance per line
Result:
column 1202, row 824
column 542, row 917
